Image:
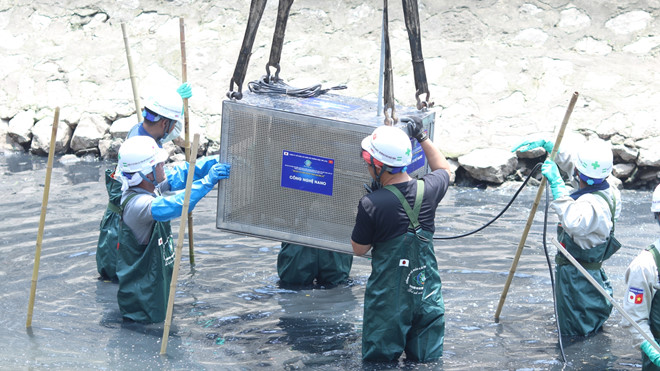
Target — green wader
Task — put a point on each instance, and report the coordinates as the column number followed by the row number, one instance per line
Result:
column 106, row 249
column 654, row 316
column 300, row 265
column 144, row 273
column 581, row 308
column 403, row 306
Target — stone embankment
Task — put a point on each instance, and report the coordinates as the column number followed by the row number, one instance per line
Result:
column 499, row 72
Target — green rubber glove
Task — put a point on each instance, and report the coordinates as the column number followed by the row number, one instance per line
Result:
column 529, row 145
column 185, row 90
column 551, row 172
column 650, row 351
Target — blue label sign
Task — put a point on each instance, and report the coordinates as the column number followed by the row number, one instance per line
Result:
column 307, row 172
column 418, row 158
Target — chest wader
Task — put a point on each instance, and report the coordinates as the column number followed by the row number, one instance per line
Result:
column 300, row 265
column 403, row 306
column 144, row 273
column 581, row 309
column 654, row 316
column 106, row 249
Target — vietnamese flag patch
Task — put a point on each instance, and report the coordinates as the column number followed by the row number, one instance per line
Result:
column 635, row 295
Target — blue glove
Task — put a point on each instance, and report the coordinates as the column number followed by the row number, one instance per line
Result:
column 185, row 90
column 551, row 172
column 529, row 145
column 170, row 207
column 650, row 351
column 177, row 175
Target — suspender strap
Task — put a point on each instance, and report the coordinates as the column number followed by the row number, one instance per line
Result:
column 611, row 205
column 413, row 213
column 656, row 256
column 123, row 204
column 114, row 208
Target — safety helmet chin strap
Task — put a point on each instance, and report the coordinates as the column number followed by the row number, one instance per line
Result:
column 153, row 171
column 378, row 175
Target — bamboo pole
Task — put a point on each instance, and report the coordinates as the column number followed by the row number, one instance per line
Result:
column 42, row 219
column 186, row 120
column 532, row 212
column 607, row 296
column 136, row 97
column 179, row 247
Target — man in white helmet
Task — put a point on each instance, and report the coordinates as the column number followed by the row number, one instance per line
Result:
column 163, row 115
column 162, row 122
column 145, row 254
column 642, row 303
column 403, row 305
column 587, row 217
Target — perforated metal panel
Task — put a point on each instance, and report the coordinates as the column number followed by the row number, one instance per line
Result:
column 297, row 174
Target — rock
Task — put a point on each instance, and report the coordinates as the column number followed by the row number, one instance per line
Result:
column 109, row 148
column 6, row 142
column 20, row 127
column 89, row 131
column 625, row 153
column 41, row 136
column 121, row 127
column 649, row 152
column 489, row 164
column 623, row 171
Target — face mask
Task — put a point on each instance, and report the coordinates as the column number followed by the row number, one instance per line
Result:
column 178, row 128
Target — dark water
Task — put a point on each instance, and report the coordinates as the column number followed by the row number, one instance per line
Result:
column 230, row 312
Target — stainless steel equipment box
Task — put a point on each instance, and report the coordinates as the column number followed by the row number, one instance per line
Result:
column 296, row 170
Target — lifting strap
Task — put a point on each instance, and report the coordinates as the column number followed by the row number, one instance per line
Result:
column 388, row 82
column 411, row 15
column 278, row 39
column 256, row 11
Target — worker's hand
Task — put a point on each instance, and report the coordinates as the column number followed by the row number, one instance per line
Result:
column 650, row 351
column 203, row 165
column 551, row 172
column 185, row 90
column 529, row 145
column 414, row 127
column 217, row 172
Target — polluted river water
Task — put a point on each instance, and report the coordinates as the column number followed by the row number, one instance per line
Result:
column 230, row 312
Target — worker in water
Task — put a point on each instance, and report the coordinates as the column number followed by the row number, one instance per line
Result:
column 403, row 305
column 145, row 254
column 587, row 218
column 162, row 115
column 299, row 265
column 641, row 303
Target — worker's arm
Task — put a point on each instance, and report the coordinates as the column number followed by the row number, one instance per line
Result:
column 359, row 249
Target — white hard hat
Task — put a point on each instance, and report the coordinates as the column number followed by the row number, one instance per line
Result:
column 389, row 145
column 140, row 154
column 167, row 103
column 594, row 159
column 655, row 203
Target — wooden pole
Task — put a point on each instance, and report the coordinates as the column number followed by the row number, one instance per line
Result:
column 42, row 219
column 179, row 248
column 136, row 96
column 186, row 120
column 607, row 296
column 532, row 212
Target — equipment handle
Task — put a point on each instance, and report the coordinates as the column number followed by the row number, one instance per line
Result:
column 179, row 246
column 42, row 218
column 136, row 96
column 532, row 212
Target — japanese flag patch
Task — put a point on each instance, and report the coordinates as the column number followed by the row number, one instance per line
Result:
column 404, row 263
column 635, row 295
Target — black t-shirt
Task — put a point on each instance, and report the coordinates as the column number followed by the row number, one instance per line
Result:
column 381, row 217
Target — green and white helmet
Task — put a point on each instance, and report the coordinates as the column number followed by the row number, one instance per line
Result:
column 595, row 159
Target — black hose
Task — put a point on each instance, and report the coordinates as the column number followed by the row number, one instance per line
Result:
column 552, row 279
column 278, row 87
column 534, row 170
